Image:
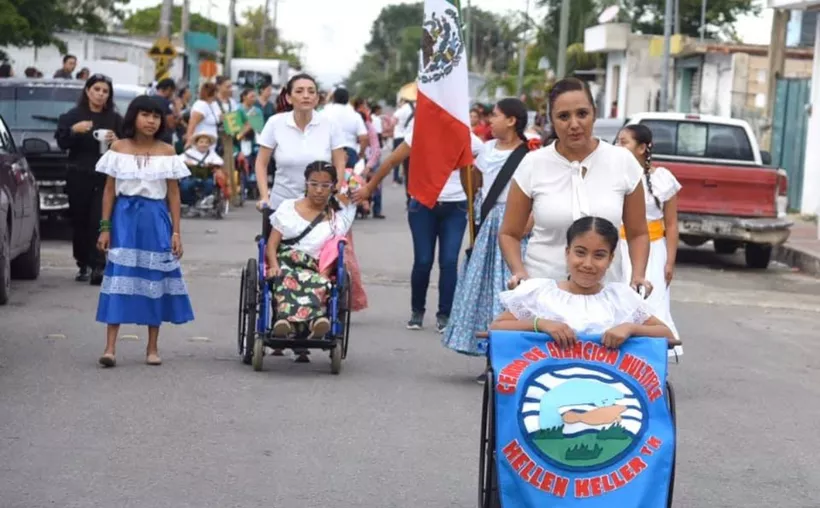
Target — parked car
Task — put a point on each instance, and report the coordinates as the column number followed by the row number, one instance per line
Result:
column 19, row 219
column 32, row 108
column 730, row 195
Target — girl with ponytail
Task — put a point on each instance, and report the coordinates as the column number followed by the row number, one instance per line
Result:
column 661, row 189
column 485, row 273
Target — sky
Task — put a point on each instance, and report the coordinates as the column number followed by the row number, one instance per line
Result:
column 337, row 32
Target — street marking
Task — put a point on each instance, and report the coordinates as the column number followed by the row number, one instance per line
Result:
column 199, row 339
column 55, row 336
column 129, row 337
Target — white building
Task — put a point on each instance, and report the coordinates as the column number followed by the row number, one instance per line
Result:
column 125, row 59
column 811, row 168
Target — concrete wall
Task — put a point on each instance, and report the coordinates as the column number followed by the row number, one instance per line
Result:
column 644, row 77
column 811, row 168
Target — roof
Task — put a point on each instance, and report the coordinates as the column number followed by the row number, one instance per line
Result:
column 695, row 47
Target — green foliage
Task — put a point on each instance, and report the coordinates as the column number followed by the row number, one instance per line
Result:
column 35, row 22
column 614, row 432
column 246, row 39
column 647, row 16
column 553, row 433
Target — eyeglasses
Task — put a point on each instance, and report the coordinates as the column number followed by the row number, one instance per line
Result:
column 100, row 77
column 320, row 185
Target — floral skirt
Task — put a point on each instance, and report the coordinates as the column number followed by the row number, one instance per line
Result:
column 301, row 292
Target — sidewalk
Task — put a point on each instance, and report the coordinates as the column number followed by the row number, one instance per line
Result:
column 802, row 250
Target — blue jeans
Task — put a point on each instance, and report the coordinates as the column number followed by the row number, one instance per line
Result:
column 352, row 157
column 444, row 223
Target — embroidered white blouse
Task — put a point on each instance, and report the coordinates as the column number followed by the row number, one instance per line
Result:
column 290, row 224
column 137, row 175
column 664, row 187
column 614, row 305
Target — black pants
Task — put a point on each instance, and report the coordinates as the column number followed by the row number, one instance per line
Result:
column 267, row 228
column 85, row 191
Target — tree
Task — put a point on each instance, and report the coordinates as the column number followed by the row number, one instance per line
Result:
column 721, row 15
column 35, row 22
column 146, row 22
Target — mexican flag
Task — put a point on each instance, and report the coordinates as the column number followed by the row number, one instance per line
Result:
column 441, row 131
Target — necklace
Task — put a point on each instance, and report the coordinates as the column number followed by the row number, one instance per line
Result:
column 143, row 159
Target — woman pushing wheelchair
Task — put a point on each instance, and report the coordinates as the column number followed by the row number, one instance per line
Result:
column 301, row 251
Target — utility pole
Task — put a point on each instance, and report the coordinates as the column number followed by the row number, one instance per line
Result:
column 563, row 36
column 229, row 42
column 777, row 61
column 263, row 29
column 165, row 19
column 667, row 57
column 677, row 17
column 522, row 52
column 276, row 19
column 702, row 20
column 184, row 28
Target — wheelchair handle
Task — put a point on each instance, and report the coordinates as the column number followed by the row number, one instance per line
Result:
column 670, row 342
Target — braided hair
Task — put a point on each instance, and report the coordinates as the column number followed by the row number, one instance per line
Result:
column 324, row 167
column 643, row 136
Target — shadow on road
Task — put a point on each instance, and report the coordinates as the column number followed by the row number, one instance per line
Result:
column 55, row 230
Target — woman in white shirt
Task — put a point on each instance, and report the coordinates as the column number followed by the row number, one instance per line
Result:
column 295, row 139
column 205, row 116
column 576, row 176
column 485, row 272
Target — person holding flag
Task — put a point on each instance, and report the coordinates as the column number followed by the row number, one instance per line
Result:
column 440, row 143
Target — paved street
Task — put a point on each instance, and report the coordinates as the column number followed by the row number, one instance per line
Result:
column 398, row 428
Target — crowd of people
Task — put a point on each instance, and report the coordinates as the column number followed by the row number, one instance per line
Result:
column 554, row 225
column 64, row 72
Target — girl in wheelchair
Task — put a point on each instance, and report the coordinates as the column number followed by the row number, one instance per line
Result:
column 300, row 251
column 582, row 304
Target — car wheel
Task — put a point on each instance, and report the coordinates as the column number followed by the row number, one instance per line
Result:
column 5, row 265
column 27, row 265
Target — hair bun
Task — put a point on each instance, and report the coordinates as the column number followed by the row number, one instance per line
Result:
column 534, row 144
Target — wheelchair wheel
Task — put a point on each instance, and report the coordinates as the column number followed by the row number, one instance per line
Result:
column 250, row 302
column 241, row 327
column 336, row 357
column 344, row 316
column 258, row 354
column 670, row 396
column 488, row 495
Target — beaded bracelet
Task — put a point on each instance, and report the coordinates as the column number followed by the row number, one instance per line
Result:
column 105, row 226
column 535, row 324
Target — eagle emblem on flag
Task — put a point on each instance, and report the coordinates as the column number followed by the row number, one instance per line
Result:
column 442, row 46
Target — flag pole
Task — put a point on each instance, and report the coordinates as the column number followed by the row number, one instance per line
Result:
column 470, row 207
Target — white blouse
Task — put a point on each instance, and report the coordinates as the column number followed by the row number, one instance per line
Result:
column 211, row 116
column 290, row 224
column 561, row 195
column 294, row 149
column 614, row 305
column 137, row 175
column 664, row 187
column 490, row 161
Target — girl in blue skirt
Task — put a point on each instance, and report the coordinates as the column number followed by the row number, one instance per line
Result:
column 139, row 231
column 485, row 273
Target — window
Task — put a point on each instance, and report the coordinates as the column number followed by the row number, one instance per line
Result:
column 253, row 79
column 40, row 107
column 700, row 140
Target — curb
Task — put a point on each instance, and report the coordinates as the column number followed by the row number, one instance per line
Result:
column 799, row 258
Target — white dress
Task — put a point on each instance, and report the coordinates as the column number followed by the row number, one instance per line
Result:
column 561, row 195
column 614, row 305
column 664, row 187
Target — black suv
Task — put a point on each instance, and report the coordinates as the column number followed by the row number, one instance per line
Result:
column 31, row 108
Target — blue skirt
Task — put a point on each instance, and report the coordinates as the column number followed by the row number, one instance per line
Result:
column 483, row 276
column 143, row 282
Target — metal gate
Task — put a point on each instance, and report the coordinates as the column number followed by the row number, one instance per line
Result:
column 789, row 127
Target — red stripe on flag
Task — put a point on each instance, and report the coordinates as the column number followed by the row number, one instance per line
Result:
column 441, row 144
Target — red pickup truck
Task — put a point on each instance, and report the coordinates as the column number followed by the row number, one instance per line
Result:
column 730, row 195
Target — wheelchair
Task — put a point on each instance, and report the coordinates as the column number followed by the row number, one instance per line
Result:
column 488, row 491
column 257, row 313
column 202, row 193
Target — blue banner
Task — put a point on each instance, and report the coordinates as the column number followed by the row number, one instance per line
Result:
column 586, row 427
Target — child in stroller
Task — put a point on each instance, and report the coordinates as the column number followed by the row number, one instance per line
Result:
column 198, row 190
